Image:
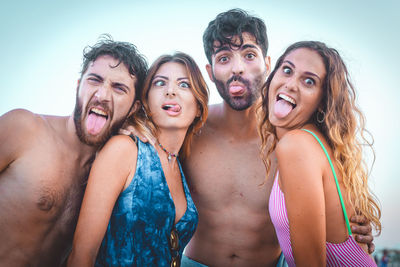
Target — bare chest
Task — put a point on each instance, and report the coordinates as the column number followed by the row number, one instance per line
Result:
column 47, row 184
column 228, row 173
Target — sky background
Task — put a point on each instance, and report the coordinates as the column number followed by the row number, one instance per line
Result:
column 42, row 43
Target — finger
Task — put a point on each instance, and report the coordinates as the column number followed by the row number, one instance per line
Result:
column 371, row 248
column 366, row 239
column 358, row 219
column 362, row 229
column 143, row 139
column 124, row 132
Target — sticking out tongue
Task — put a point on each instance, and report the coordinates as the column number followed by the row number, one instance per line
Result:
column 175, row 108
column 282, row 108
column 236, row 90
column 95, row 123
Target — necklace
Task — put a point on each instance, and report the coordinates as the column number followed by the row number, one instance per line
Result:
column 170, row 155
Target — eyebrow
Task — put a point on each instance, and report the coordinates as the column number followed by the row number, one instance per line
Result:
column 160, row 76
column 96, row 75
column 114, row 84
column 227, row 48
column 166, row 78
column 307, row 72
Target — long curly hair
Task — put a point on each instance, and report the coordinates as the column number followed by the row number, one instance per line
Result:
column 343, row 127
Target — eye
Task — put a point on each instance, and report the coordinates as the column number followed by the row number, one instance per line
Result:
column 159, row 83
column 250, row 56
column 120, row 89
column 184, row 85
column 309, row 81
column 223, row 59
column 93, row 79
column 287, row 70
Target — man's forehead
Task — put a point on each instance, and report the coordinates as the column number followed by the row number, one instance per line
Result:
column 247, row 38
column 109, row 63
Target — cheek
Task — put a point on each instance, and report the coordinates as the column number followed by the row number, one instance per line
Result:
column 220, row 71
column 152, row 100
column 191, row 105
column 313, row 103
column 257, row 68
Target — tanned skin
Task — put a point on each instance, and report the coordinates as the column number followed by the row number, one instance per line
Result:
column 226, row 175
column 44, row 167
column 227, row 178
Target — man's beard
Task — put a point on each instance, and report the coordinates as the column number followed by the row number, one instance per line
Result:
column 253, row 91
column 100, row 139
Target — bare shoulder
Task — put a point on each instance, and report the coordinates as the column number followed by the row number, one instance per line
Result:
column 297, row 141
column 299, row 150
column 20, row 126
column 214, row 115
column 119, row 147
column 20, row 118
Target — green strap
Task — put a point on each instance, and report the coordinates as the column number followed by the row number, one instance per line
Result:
column 336, row 181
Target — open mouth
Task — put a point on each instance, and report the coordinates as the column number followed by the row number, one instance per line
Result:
column 98, row 112
column 286, row 98
column 171, row 107
column 284, row 105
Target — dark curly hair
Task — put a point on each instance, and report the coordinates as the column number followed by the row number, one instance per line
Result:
column 232, row 23
column 124, row 52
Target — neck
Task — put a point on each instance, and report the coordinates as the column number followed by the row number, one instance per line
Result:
column 73, row 140
column 240, row 123
column 171, row 140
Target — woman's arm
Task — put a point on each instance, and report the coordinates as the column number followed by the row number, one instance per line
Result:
column 114, row 164
column 301, row 164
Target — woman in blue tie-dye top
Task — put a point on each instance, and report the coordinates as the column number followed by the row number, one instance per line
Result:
column 137, row 209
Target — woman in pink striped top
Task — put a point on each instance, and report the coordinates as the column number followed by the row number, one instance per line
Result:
column 308, row 112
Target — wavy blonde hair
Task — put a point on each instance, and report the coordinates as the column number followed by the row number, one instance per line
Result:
column 199, row 89
column 342, row 124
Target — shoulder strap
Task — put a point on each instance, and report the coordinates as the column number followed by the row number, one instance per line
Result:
column 134, row 138
column 336, row 180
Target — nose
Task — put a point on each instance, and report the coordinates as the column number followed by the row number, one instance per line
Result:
column 237, row 65
column 171, row 90
column 103, row 94
column 291, row 83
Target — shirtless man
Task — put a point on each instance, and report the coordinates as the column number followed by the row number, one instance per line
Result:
column 45, row 160
column 224, row 170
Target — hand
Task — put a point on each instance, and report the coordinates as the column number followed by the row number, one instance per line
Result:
column 144, row 136
column 130, row 130
column 362, row 231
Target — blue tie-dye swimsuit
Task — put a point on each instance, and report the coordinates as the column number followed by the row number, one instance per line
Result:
column 143, row 216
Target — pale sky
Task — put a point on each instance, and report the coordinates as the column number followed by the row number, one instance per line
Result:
column 42, row 43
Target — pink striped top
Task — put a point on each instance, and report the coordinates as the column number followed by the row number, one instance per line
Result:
column 348, row 253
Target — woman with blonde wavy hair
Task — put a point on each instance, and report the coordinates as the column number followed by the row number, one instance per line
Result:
column 137, row 209
column 308, row 113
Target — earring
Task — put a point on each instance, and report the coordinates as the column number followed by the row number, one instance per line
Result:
column 319, row 114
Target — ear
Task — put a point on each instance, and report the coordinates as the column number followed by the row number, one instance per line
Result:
column 209, row 71
column 267, row 61
column 78, row 82
column 136, row 106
